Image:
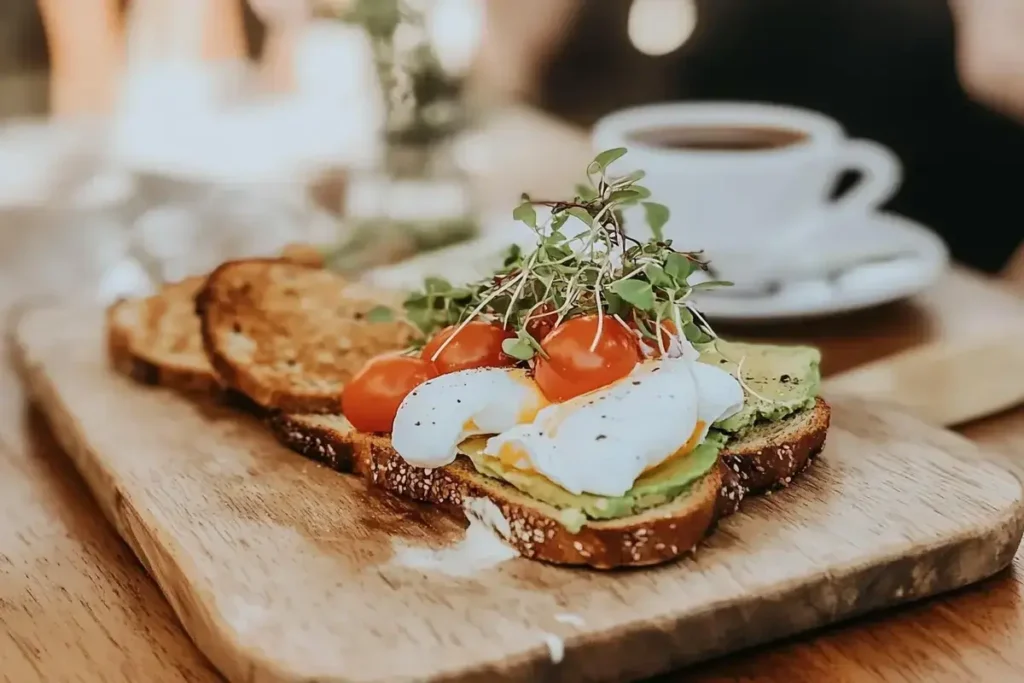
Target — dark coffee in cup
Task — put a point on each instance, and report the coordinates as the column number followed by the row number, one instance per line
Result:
column 719, row 138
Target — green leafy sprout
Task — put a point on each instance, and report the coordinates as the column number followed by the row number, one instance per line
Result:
column 601, row 271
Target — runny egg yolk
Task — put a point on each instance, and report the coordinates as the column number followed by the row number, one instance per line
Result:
column 685, row 449
column 527, row 412
column 510, row 455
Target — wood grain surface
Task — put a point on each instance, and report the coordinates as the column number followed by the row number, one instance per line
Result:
column 106, row 622
column 274, row 584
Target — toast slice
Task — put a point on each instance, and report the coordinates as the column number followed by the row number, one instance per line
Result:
column 654, row 536
column 156, row 340
column 289, row 336
column 770, row 455
column 328, row 439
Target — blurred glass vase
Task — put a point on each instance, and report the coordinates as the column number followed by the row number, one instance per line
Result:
column 415, row 197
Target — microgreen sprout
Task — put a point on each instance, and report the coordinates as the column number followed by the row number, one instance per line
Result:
column 600, row 270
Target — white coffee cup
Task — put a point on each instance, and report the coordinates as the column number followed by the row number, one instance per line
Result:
column 750, row 200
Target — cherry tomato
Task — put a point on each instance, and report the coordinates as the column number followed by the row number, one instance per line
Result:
column 477, row 345
column 541, row 322
column 571, row 368
column 371, row 399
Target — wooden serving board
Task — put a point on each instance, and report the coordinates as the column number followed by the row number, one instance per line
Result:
column 282, row 570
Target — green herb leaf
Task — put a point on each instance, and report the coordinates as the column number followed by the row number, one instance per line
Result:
column 556, row 252
column 613, row 303
column 678, row 267
column 637, row 293
column 580, row 213
column 422, row 318
column 558, row 220
column 586, row 192
column 526, row 213
column 644, row 192
column 623, row 196
column 514, row 255
column 518, row 349
column 457, row 293
column 630, row 178
column 663, row 310
column 657, row 276
column 685, row 316
column 657, row 217
column 695, row 335
column 710, row 284
column 437, row 285
column 605, row 158
column 380, row 314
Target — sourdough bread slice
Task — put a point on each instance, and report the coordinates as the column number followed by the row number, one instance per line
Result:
column 657, row 535
column 156, row 340
column 289, row 336
column 768, row 456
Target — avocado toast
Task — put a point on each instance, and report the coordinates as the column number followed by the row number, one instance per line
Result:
column 577, row 391
column 662, row 517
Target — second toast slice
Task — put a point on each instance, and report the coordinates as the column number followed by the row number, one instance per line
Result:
column 289, row 336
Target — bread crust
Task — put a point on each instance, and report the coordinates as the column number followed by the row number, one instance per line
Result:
column 773, row 459
column 327, row 439
column 127, row 359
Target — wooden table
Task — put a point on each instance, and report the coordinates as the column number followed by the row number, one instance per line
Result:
column 75, row 605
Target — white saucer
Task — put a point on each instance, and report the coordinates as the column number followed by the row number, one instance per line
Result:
column 857, row 287
column 925, row 257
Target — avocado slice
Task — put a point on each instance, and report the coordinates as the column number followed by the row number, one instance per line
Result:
column 783, row 380
column 656, row 487
column 786, row 380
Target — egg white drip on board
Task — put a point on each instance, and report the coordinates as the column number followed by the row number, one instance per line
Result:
column 602, row 442
column 445, row 411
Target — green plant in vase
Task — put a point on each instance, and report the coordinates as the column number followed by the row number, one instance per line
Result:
column 425, row 200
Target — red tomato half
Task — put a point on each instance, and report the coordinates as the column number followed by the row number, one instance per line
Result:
column 371, row 399
column 571, row 368
column 477, row 345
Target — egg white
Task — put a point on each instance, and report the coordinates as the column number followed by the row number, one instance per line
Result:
column 443, row 412
column 601, row 442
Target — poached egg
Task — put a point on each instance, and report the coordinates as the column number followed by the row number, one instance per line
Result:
column 602, row 442
column 443, row 412
column 598, row 443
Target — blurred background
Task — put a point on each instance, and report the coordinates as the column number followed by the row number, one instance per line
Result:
column 143, row 140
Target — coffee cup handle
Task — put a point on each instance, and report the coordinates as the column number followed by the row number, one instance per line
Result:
column 881, row 174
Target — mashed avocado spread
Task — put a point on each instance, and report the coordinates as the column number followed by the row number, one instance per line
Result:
column 779, row 381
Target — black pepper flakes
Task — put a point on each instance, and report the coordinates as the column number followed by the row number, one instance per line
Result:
column 600, row 437
column 785, row 379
